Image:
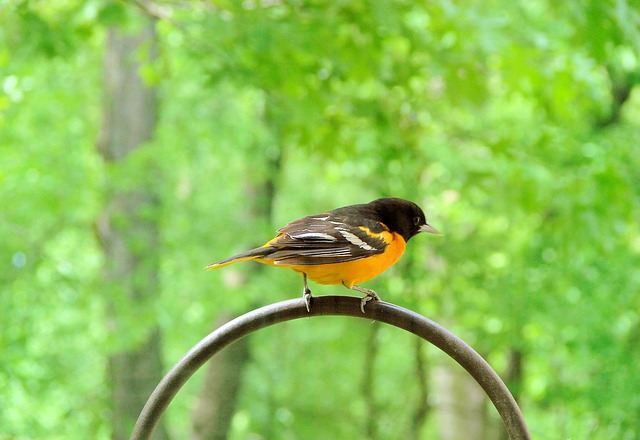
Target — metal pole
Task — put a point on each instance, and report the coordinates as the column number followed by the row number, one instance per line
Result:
column 283, row 311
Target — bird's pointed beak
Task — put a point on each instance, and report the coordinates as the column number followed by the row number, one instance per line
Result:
column 430, row 229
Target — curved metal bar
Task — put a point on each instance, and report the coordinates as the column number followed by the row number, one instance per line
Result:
column 283, row 311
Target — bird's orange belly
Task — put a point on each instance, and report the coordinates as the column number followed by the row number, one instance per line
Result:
column 353, row 272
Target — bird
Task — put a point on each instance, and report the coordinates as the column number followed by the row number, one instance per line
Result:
column 348, row 245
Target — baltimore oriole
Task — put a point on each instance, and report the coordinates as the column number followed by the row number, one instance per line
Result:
column 347, row 246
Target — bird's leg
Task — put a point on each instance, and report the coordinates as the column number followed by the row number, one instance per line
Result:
column 369, row 295
column 306, row 292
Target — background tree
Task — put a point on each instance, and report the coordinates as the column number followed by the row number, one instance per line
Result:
column 128, row 228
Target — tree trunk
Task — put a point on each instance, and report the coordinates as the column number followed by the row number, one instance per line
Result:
column 211, row 417
column 460, row 410
column 216, row 404
column 512, row 377
column 422, row 407
column 368, row 383
column 128, row 228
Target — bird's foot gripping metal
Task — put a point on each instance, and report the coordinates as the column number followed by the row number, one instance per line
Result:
column 369, row 295
column 306, row 293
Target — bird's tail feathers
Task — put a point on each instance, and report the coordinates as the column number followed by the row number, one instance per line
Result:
column 252, row 254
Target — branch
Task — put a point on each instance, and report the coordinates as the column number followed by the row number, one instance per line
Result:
column 621, row 86
column 151, row 9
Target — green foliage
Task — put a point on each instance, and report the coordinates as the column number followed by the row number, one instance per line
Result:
column 52, row 360
column 490, row 115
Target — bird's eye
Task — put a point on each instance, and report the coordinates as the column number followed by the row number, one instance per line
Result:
column 416, row 220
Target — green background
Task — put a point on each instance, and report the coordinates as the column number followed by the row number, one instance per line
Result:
column 515, row 125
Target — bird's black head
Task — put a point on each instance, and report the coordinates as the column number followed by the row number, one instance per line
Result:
column 402, row 216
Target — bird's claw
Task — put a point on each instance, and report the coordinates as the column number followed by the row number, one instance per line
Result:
column 371, row 295
column 306, row 295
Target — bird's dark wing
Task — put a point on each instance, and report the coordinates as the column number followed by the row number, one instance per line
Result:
column 328, row 238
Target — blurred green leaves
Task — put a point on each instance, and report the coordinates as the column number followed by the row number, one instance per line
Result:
column 514, row 125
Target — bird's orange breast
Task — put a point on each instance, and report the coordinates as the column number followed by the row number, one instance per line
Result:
column 352, row 272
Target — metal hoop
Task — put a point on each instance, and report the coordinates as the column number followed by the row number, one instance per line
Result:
column 283, row 311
